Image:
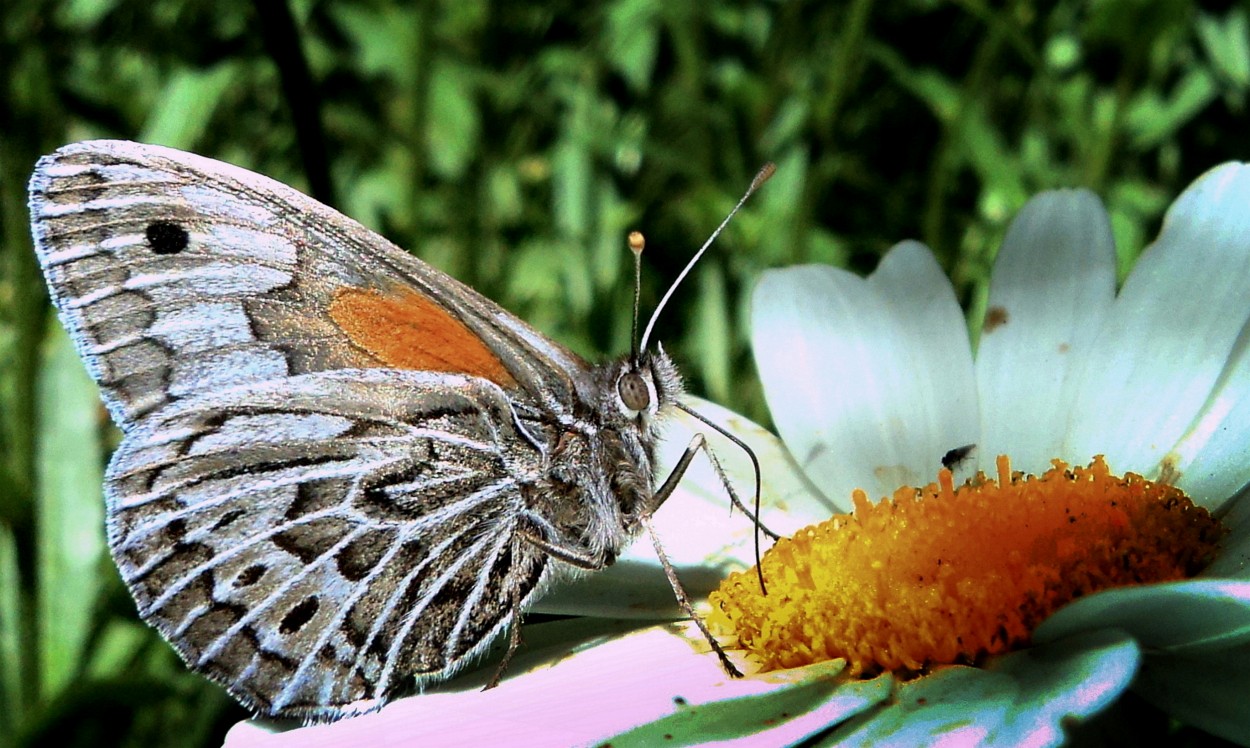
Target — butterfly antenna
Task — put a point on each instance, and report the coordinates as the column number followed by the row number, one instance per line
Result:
column 636, row 243
column 760, row 178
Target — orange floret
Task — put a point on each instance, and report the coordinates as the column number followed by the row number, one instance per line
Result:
column 943, row 575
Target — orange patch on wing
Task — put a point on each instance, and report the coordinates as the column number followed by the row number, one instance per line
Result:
column 409, row 331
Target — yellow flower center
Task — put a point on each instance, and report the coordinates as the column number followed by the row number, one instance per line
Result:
column 942, row 574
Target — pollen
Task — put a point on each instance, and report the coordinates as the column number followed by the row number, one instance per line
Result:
column 941, row 575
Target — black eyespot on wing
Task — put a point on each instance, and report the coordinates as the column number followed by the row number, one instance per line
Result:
column 250, row 576
column 167, row 238
column 301, row 614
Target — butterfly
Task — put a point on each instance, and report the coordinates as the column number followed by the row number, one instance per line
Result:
column 342, row 471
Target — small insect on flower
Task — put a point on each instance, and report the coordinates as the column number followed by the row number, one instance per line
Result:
column 955, row 458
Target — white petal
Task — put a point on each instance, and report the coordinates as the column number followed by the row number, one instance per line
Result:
column 929, row 316
column 599, row 691
column 778, row 717
column 1210, row 459
column 814, row 358
column 1052, row 284
column 1175, row 616
column 1196, row 640
column 1233, row 560
column 954, row 706
column 1171, row 329
column 1063, row 682
column 1022, row 699
column 850, row 388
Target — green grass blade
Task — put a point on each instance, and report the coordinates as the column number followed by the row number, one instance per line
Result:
column 69, row 512
column 12, row 699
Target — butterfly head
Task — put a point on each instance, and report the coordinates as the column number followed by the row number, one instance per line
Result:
column 641, row 388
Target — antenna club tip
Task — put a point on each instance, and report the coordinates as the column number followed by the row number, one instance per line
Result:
column 636, row 242
column 763, row 175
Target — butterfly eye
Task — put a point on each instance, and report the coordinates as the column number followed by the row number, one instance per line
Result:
column 633, row 391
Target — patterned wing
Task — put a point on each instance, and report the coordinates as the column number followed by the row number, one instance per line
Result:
column 312, row 543
column 178, row 275
column 327, row 442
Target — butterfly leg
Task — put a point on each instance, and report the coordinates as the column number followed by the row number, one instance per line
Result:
column 514, row 642
column 683, row 600
column 584, row 560
column 574, row 556
column 697, row 444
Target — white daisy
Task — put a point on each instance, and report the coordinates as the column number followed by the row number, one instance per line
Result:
column 872, row 382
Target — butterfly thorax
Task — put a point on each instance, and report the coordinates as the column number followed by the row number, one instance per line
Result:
column 608, row 470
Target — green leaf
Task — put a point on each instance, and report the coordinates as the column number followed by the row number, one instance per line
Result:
column 609, row 253
column 632, row 39
column 454, row 124
column 1227, row 43
column 387, row 39
column 1153, row 119
column 83, row 14
column 186, row 106
column 818, row 701
column 778, row 204
column 572, row 184
column 114, row 652
column 711, row 333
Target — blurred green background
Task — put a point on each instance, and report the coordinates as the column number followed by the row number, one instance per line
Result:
column 515, row 146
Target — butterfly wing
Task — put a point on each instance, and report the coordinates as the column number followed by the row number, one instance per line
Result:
column 178, row 275
column 312, row 542
column 326, row 441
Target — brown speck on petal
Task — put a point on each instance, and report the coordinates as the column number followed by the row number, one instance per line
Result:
column 995, row 317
